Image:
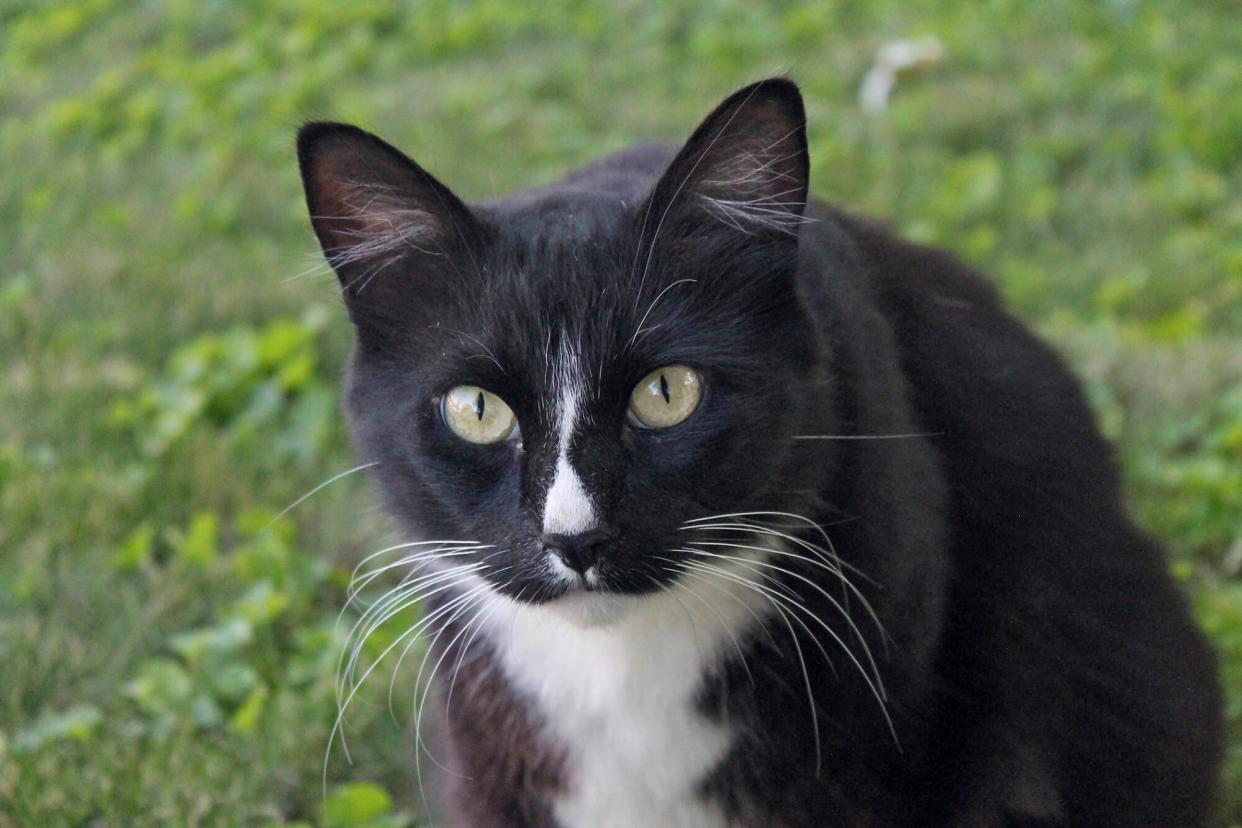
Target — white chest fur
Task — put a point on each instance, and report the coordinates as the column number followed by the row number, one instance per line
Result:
column 615, row 678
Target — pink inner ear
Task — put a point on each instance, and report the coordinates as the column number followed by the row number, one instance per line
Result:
column 752, row 175
column 370, row 222
column 755, row 188
column 753, row 168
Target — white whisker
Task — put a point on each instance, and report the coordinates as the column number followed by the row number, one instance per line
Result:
column 776, row 604
column 354, row 685
column 725, row 626
column 837, row 573
column 878, row 686
column 318, row 488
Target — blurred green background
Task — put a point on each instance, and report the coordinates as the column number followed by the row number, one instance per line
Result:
column 167, row 649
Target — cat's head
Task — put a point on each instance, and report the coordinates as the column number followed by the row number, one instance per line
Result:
column 564, row 381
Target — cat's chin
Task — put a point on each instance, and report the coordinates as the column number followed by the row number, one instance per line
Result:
column 583, row 608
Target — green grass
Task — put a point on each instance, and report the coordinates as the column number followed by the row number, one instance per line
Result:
column 166, row 389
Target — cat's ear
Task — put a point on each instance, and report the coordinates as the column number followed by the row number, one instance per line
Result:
column 746, row 164
column 387, row 227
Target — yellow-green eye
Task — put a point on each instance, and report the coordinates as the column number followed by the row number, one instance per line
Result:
column 665, row 397
column 476, row 415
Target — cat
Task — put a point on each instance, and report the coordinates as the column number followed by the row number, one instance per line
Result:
column 758, row 514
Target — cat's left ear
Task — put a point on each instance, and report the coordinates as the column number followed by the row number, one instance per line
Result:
column 392, row 232
column 746, row 165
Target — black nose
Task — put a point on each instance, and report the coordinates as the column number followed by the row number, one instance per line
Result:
column 580, row 552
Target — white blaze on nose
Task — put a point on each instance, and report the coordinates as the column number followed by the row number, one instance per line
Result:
column 567, row 509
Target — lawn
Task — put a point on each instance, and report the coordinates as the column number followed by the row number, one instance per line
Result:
column 171, row 345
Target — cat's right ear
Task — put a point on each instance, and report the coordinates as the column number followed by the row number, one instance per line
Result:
column 745, row 166
column 387, row 227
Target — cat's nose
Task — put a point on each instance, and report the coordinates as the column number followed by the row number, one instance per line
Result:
column 579, row 551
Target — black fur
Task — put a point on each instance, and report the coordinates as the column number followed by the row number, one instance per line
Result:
column 1041, row 667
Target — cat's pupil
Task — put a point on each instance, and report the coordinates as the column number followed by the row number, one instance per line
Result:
column 664, row 389
column 478, row 406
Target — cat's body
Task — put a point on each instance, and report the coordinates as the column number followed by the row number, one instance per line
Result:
column 880, row 447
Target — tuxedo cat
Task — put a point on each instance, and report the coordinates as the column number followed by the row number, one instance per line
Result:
column 737, row 510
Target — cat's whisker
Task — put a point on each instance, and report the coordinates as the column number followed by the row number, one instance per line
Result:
column 448, row 704
column 318, row 488
column 354, row 685
column 742, row 524
column 876, row 690
column 828, row 556
column 418, row 772
column 740, row 518
column 817, row 562
column 382, row 609
column 824, row 524
column 319, row 268
column 793, row 637
column 758, row 621
column 386, row 608
column 342, row 703
column 409, row 545
column 639, row 328
column 360, row 581
column 348, row 679
column 417, row 682
column 807, row 545
column 794, row 525
column 422, row 690
column 878, row 685
column 459, row 607
column 474, row 597
column 401, row 657
column 487, row 353
column 766, row 587
column 416, row 563
column 711, row 522
column 827, row 566
column 694, row 630
column 724, row 626
column 377, row 611
column 412, row 633
column 848, row 586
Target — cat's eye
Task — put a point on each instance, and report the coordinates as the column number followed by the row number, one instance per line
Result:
column 477, row 416
column 665, row 397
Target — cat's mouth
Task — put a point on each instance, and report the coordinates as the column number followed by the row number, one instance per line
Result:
column 590, row 606
column 570, row 580
column 580, row 595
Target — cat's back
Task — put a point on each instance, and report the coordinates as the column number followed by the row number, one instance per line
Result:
column 1062, row 618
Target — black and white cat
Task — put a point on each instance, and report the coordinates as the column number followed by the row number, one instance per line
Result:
column 758, row 515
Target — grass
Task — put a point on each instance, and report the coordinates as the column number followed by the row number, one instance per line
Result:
column 168, row 643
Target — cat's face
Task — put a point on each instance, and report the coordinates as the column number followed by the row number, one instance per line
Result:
column 569, row 380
